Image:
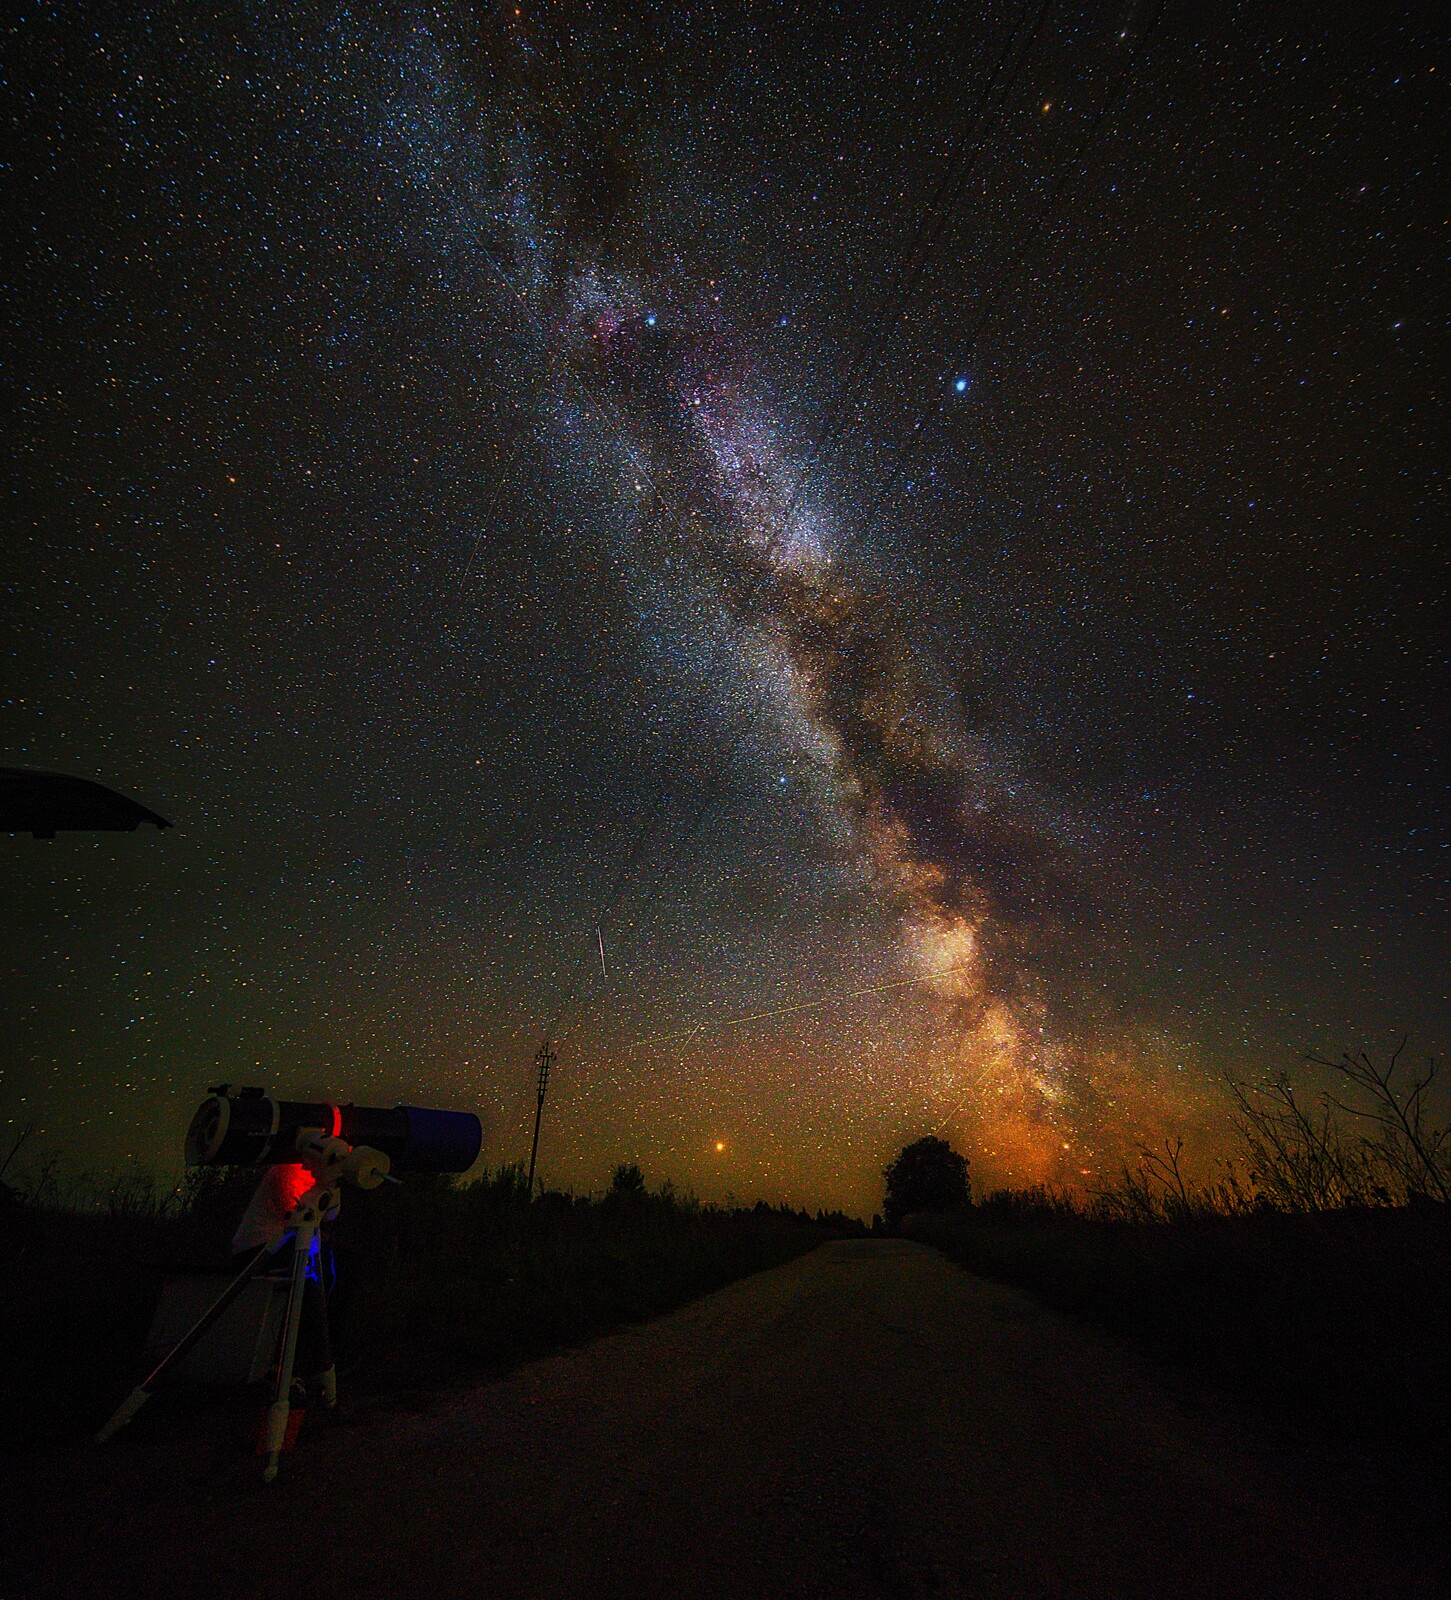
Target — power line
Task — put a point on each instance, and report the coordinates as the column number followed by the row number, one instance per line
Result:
column 1121, row 84
column 931, row 225
column 605, row 409
column 942, row 202
column 1117, row 90
column 609, row 904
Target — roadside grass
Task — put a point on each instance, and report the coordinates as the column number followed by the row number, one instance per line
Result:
column 1313, row 1272
column 480, row 1276
column 438, row 1280
column 1338, row 1318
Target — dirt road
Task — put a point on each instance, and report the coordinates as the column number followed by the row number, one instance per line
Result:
column 867, row 1421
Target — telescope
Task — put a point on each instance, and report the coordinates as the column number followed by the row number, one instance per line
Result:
column 328, row 1145
column 251, row 1129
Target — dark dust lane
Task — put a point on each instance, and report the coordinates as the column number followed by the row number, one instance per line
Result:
column 868, row 1420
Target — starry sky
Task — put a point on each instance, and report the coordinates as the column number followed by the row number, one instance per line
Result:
column 866, row 574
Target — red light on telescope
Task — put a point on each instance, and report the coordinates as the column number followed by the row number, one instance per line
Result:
column 292, row 1181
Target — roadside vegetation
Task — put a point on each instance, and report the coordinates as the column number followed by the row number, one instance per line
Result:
column 438, row 1280
column 1314, row 1272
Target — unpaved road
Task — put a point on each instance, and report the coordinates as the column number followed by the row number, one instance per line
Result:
column 866, row 1421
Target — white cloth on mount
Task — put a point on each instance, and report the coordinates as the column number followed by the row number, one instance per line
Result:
column 265, row 1219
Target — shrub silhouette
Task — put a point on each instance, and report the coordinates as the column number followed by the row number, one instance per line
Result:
column 628, row 1180
column 928, row 1176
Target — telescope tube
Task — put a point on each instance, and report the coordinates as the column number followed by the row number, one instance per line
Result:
column 251, row 1129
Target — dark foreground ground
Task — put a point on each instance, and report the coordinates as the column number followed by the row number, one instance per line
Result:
column 867, row 1420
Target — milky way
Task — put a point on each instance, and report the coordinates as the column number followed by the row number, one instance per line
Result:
column 991, row 909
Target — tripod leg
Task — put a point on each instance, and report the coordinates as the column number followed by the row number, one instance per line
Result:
column 315, row 1307
column 281, row 1407
column 147, row 1387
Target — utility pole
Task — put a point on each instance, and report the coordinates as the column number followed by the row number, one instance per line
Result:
column 543, row 1061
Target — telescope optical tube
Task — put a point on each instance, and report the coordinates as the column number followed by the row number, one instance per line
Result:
column 251, row 1129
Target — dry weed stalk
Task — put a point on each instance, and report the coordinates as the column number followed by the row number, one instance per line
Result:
column 1303, row 1159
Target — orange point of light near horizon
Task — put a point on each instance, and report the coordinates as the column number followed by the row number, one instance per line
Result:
column 719, row 1145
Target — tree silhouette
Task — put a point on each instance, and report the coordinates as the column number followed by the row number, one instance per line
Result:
column 628, row 1180
column 928, row 1176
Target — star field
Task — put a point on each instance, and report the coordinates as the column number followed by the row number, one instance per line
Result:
column 916, row 532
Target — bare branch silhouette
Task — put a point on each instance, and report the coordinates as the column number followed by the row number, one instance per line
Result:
column 1416, row 1150
column 16, row 1146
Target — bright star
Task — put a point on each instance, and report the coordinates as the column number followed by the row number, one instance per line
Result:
column 650, row 320
column 961, row 386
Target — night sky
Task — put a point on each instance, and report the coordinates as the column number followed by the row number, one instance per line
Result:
column 914, row 530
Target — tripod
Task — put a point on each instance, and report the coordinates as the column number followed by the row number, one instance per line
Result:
column 331, row 1161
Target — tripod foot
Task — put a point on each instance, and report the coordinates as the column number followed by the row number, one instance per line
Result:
column 279, row 1432
column 274, row 1440
column 123, row 1413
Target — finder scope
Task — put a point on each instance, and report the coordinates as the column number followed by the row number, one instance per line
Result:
column 251, row 1129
